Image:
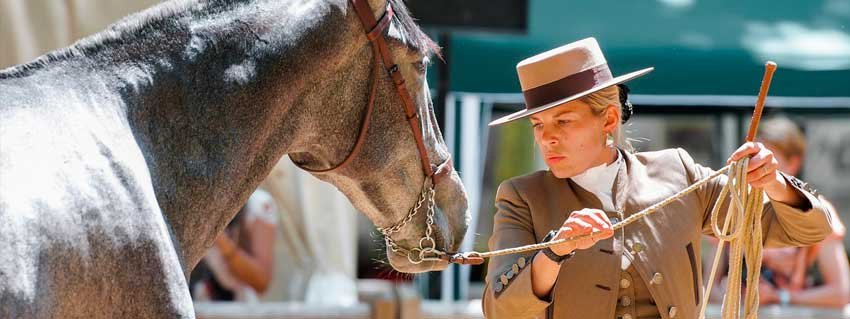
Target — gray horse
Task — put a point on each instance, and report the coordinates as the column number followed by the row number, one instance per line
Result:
column 123, row 156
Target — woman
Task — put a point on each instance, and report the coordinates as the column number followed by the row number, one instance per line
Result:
column 239, row 266
column 815, row 276
column 649, row 269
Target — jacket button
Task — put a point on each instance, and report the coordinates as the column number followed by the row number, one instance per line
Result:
column 627, row 316
column 625, row 283
column 498, row 286
column 515, row 269
column 625, row 301
column 503, row 279
column 656, row 279
column 509, row 274
column 673, row 312
column 521, row 262
column 637, row 247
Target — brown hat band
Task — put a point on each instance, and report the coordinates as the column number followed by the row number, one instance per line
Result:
column 567, row 86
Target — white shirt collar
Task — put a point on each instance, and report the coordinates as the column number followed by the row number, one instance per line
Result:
column 599, row 180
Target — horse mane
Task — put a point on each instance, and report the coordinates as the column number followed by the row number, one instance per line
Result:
column 410, row 33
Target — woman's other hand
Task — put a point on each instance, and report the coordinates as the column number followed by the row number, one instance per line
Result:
column 583, row 222
column 763, row 172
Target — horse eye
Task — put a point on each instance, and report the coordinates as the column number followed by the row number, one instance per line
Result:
column 420, row 66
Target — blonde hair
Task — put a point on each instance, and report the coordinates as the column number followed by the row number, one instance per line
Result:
column 599, row 101
column 783, row 134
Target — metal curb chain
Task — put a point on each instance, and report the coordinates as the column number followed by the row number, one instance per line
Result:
column 427, row 244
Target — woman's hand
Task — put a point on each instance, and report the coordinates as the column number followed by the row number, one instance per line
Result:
column 763, row 172
column 580, row 223
column 544, row 271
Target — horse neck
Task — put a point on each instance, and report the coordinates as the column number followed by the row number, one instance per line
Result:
column 216, row 111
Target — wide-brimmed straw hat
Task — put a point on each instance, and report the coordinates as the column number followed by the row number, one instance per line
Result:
column 564, row 74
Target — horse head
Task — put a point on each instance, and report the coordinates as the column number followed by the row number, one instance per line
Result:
column 392, row 162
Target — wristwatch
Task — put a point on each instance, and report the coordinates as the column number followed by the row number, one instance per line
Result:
column 784, row 297
column 551, row 254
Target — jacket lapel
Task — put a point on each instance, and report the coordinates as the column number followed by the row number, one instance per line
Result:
column 568, row 197
column 584, row 198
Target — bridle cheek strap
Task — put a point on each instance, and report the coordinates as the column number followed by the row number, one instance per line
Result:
column 375, row 30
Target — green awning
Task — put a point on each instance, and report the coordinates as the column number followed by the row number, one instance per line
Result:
column 697, row 47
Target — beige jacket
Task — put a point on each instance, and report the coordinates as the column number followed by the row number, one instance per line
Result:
column 528, row 207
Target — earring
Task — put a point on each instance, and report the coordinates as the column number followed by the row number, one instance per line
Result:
column 609, row 140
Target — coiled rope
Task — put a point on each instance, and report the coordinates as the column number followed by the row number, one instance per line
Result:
column 745, row 238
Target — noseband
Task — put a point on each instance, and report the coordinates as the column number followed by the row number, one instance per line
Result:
column 433, row 175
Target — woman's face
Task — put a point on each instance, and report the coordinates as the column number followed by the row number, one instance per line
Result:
column 571, row 137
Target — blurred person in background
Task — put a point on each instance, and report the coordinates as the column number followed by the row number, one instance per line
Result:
column 240, row 264
column 817, row 275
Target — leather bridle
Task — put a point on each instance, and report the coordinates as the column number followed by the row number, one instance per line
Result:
column 375, row 33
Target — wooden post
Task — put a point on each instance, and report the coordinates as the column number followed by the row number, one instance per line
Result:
column 379, row 295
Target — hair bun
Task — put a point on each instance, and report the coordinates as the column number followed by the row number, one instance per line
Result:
column 626, row 106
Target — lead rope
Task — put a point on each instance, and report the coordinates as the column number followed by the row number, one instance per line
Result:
column 631, row 219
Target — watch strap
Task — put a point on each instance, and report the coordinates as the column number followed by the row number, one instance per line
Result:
column 551, row 254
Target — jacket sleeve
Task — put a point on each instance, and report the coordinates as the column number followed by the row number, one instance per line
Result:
column 507, row 291
column 782, row 224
